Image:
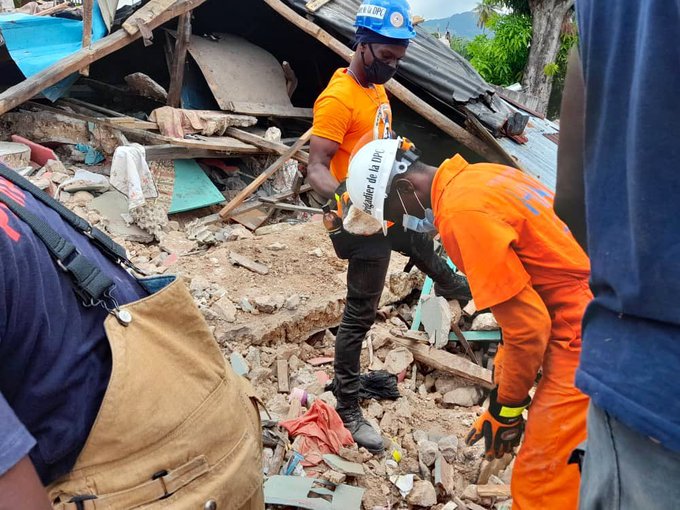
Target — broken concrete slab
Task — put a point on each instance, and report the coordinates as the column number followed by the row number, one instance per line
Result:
column 225, row 309
column 111, row 206
column 344, row 466
column 466, row 396
column 247, row 263
column 436, row 319
column 423, row 494
column 268, row 304
column 484, row 322
column 448, row 446
column 398, row 360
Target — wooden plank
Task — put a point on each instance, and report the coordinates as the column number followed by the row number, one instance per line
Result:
column 225, row 213
column 167, row 151
column 145, row 15
column 282, row 375
column 88, row 6
column 402, row 93
column 270, row 110
column 258, row 141
column 277, row 459
column 315, row 5
column 447, row 362
column 25, row 90
column 179, row 59
column 53, row 10
column 493, row 491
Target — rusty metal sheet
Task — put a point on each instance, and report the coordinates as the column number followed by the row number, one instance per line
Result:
column 241, row 73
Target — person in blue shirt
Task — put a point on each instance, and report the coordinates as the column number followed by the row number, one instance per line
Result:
column 618, row 189
column 117, row 392
column 49, row 342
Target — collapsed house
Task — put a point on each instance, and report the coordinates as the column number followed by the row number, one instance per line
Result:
column 211, row 101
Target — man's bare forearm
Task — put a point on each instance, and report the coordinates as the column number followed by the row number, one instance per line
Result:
column 20, row 487
column 321, row 180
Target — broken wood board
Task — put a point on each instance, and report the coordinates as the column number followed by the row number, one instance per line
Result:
column 193, row 188
column 472, row 142
column 493, row 491
column 258, row 141
column 179, row 60
column 447, row 362
column 32, row 86
column 225, row 213
column 238, row 71
column 253, row 218
column 270, row 110
column 282, row 375
column 237, row 259
column 169, row 152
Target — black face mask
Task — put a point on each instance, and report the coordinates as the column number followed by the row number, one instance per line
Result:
column 378, row 72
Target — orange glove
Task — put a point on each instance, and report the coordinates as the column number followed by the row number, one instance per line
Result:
column 501, row 427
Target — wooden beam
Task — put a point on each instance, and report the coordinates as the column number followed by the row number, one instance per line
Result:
column 25, row 90
column 493, row 491
column 88, row 6
column 402, row 93
column 260, row 142
column 53, row 10
column 225, row 213
column 282, row 375
column 179, row 60
column 270, row 110
column 446, row 362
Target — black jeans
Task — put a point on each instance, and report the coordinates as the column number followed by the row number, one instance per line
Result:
column 369, row 258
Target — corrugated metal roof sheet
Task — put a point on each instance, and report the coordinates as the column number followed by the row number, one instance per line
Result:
column 539, row 155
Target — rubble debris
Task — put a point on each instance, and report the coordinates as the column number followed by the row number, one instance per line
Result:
column 470, row 493
column 15, row 155
column 282, row 376
column 398, row 360
column 292, row 302
column 428, row 452
column 111, row 206
column 448, row 446
column 241, row 260
column 337, row 463
column 494, row 491
column 334, row 477
column 177, row 123
column 470, row 308
column 267, row 304
column 316, row 252
column 466, row 396
column 404, row 483
column 423, row 494
column 83, row 180
column 239, row 364
column 444, row 477
column 484, row 322
column 277, row 247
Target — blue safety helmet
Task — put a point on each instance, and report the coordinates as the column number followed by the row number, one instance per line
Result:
column 389, row 18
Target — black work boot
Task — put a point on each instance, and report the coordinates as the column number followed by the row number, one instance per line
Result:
column 361, row 430
column 452, row 286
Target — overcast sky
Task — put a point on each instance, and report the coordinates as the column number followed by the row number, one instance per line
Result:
column 430, row 9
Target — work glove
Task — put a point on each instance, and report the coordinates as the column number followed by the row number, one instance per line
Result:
column 501, row 426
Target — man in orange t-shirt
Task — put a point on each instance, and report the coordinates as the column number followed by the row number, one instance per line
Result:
column 498, row 226
column 355, row 106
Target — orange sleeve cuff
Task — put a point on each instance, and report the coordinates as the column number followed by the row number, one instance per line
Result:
column 526, row 325
column 331, row 119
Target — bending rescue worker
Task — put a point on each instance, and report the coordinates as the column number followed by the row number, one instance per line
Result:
column 355, row 105
column 498, row 226
column 113, row 392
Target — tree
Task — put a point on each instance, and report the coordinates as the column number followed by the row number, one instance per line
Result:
column 484, row 11
column 547, row 20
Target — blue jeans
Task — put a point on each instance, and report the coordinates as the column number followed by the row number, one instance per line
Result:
column 624, row 470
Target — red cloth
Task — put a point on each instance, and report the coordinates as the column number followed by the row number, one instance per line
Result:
column 322, row 431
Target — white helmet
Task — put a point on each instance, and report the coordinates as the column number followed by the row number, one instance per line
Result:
column 371, row 171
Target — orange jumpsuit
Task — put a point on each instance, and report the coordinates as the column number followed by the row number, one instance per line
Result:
column 498, row 226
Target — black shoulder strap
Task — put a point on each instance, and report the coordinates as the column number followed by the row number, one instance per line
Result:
column 91, row 284
column 110, row 248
